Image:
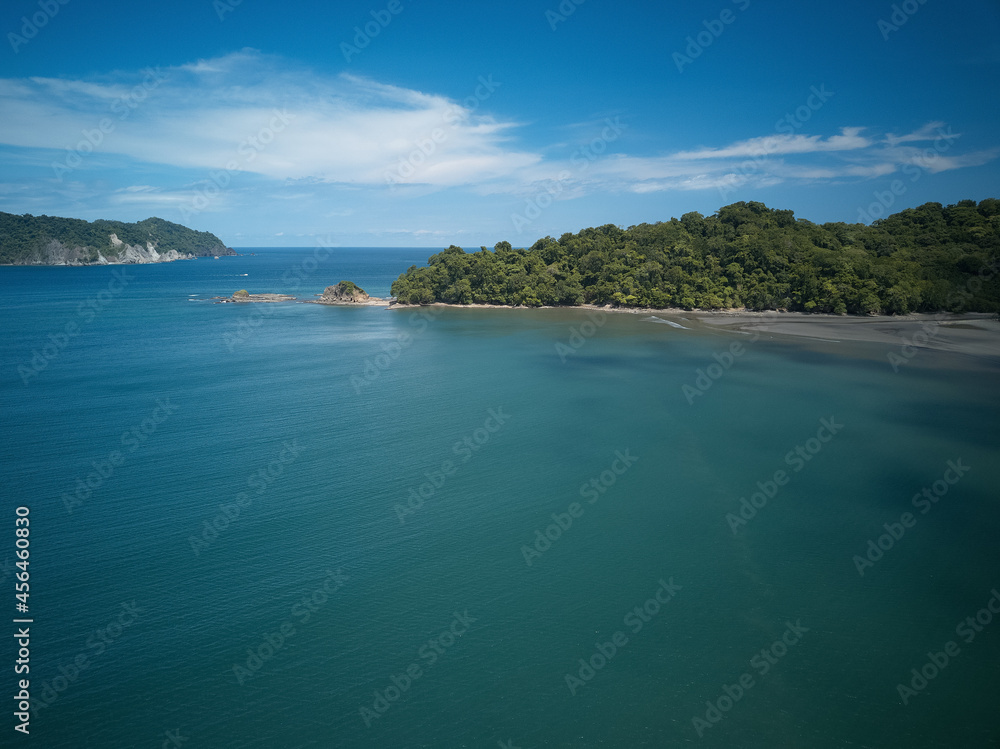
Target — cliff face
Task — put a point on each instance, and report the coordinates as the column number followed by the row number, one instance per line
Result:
column 119, row 253
column 50, row 240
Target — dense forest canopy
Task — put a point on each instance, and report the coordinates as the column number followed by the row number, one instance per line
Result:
column 23, row 238
column 747, row 255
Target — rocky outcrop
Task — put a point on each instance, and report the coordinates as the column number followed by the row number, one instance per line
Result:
column 244, row 297
column 345, row 292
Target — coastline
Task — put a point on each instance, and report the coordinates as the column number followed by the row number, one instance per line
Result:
column 971, row 333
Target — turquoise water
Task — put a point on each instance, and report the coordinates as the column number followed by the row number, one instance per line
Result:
column 303, row 431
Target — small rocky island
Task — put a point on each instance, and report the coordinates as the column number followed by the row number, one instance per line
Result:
column 245, row 297
column 345, row 293
column 349, row 293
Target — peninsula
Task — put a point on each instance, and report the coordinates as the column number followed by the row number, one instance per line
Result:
column 747, row 256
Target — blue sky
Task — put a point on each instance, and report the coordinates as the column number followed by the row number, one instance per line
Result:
column 274, row 124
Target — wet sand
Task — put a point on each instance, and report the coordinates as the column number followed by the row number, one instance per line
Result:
column 974, row 334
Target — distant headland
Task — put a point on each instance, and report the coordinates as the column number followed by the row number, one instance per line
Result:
column 51, row 240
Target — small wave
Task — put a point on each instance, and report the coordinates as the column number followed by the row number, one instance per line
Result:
column 671, row 323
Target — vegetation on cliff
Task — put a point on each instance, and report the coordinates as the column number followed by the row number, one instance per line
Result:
column 746, row 255
column 28, row 239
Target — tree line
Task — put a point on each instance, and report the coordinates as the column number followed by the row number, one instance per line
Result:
column 747, row 255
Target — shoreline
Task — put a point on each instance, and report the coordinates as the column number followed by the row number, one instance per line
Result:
column 970, row 333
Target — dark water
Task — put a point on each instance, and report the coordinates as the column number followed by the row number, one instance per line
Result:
column 353, row 495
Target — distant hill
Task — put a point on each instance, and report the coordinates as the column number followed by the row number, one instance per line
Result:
column 50, row 240
column 747, row 255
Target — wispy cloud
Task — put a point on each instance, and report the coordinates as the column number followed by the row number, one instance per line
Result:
column 776, row 145
column 928, row 132
column 341, row 128
column 356, row 133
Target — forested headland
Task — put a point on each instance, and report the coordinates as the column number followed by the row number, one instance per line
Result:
column 747, row 255
column 27, row 239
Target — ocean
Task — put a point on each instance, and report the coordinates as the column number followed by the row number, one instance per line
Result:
column 297, row 525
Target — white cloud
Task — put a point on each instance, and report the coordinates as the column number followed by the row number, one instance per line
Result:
column 256, row 114
column 777, row 145
column 298, row 128
column 930, row 131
